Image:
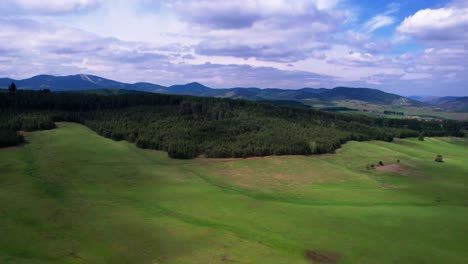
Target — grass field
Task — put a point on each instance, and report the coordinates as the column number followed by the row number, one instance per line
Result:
column 377, row 110
column 71, row 196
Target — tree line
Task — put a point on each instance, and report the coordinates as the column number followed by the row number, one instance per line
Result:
column 187, row 126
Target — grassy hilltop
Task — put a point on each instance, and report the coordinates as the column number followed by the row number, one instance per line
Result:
column 72, row 196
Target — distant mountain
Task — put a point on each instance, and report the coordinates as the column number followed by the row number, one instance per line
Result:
column 446, row 103
column 64, row 83
column 425, row 99
column 452, row 103
column 338, row 93
column 95, row 83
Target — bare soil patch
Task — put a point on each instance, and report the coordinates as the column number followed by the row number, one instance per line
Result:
column 396, row 168
column 322, row 257
column 391, row 168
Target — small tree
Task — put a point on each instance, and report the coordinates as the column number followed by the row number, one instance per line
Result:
column 12, row 87
column 381, row 163
column 421, row 136
column 439, row 158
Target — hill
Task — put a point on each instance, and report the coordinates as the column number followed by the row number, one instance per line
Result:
column 187, row 126
column 452, row 104
column 71, row 196
column 90, row 82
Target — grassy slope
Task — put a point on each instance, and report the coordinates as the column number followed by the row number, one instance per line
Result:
column 424, row 111
column 71, row 196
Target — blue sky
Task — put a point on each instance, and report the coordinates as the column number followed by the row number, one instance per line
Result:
column 411, row 47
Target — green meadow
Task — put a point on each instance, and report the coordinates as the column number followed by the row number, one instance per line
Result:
column 72, row 196
column 378, row 109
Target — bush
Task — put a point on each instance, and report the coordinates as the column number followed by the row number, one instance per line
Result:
column 421, row 136
column 10, row 138
column 439, row 158
column 381, row 163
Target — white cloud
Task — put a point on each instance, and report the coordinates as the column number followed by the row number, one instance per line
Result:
column 437, row 25
column 377, row 22
column 414, row 76
column 282, row 43
column 50, row 6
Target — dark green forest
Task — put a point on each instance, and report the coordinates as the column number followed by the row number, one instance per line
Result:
column 186, row 126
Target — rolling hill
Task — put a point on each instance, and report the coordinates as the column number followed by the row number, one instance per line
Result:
column 445, row 103
column 453, row 104
column 70, row 196
column 90, row 82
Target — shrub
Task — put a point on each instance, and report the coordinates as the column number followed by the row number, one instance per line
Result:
column 381, row 163
column 421, row 136
column 10, row 138
column 439, row 158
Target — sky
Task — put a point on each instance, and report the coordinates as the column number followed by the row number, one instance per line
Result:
column 409, row 47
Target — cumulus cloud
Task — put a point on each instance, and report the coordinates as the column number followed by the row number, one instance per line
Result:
column 437, row 25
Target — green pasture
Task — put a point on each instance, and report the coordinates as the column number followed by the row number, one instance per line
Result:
column 72, row 196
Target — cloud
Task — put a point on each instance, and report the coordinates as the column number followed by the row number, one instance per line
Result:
column 377, row 22
column 245, row 13
column 277, row 52
column 233, row 75
column 46, row 48
column 49, row 6
column 278, row 43
column 51, row 49
column 359, row 59
column 447, row 24
column 219, row 14
column 256, row 29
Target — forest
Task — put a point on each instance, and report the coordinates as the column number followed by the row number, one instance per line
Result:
column 187, row 126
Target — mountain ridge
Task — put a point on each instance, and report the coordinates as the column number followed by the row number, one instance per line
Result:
column 81, row 82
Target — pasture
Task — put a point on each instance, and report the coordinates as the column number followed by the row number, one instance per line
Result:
column 72, row 196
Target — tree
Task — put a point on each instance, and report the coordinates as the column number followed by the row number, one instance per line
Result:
column 12, row 87
column 439, row 158
column 421, row 136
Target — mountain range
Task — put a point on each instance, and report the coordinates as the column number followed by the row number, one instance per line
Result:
column 91, row 83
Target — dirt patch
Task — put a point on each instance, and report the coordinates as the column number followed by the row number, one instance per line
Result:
column 226, row 258
column 281, row 176
column 322, row 257
column 395, row 168
column 391, row 168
